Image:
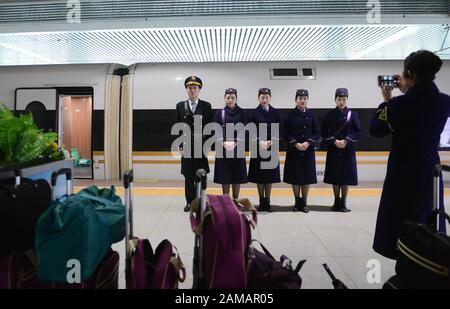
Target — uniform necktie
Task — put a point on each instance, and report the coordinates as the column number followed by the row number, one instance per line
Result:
column 193, row 107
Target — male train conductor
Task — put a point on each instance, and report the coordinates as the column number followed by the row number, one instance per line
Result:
column 186, row 110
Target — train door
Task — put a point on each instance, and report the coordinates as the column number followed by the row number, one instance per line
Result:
column 75, row 131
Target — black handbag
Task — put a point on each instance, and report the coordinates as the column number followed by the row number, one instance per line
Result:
column 424, row 252
column 264, row 272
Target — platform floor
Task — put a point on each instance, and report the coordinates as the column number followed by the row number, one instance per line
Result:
column 342, row 240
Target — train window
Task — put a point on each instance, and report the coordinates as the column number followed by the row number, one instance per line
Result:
column 39, row 113
column 35, row 106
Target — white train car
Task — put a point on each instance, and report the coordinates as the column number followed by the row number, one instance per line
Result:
column 144, row 95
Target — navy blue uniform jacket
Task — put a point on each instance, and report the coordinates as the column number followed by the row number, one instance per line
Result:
column 256, row 174
column 231, row 170
column 340, row 167
column 300, row 166
column 415, row 121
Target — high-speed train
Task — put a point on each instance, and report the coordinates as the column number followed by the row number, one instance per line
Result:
column 130, row 110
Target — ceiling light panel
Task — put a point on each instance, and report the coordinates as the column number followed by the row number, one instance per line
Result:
column 221, row 44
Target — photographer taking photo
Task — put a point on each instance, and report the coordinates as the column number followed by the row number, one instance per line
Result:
column 415, row 120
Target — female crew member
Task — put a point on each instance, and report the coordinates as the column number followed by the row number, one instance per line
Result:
column 263, row 176
column 301, row 132
column 231, row 171
column 415, row 120
column 341, row 129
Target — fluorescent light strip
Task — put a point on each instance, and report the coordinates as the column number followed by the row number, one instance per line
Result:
column 143, row 48
column 427, row 38
column 188, row 46
column 254, row 34
column 227, row 45
column 27, row 53
column 328, row 33
column 273, row 44
column 209, row 44
column 306, row 36
column 199, row 36
column 301, row 52
column 110, row 42
column 261, row 43
column 401, row 48
column 171, row 47
column 181, row 47
column 222, row 45
column 144, row 38
column 227, row 41
column 242, row 43
column 124, row 46
column 203, row 37
column 201, row 44
column 245, row 43
column 194, row 47
column 277, row 41
column 133, row 51
column 380, row 34
column 265, row 46
column 136, row 37
column 160, row 46
column 389, row 40
column 214, row 44
column 284, row 43
column 293, row 44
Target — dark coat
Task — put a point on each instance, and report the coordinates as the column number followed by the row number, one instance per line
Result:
column 416, row 121
column 231, row 170
column 189, row 166
column 256, row 174
column 340, row 168
column 300, row 166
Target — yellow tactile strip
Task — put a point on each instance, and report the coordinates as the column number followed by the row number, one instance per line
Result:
column 139, row 191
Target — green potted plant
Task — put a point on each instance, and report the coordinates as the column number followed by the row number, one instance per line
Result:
column 23, row 143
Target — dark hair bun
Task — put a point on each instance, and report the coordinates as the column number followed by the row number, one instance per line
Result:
column 424, row 64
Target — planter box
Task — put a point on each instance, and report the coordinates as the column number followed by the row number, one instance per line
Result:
column 42, row 171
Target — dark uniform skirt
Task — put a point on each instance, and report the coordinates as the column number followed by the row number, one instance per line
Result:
column 340, row 168
column 263, row 176
column 230, row 171
column 300, row 167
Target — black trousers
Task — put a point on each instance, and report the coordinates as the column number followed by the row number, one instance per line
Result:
column 189, row 189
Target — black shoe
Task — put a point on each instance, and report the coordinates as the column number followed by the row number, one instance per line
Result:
column 303, row 207
column 268, row 207
column 297, row 204
column 261, row 206
column 187, row 208
column 343, row 206
column 336, row 206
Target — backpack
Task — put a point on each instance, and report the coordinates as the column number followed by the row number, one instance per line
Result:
column 226, row 236
column 154, row 270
